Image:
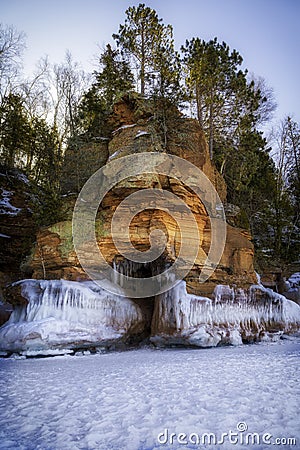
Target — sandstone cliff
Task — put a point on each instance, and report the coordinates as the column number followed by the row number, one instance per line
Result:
column 74, row 313
column 137, row 130
column 17, row 229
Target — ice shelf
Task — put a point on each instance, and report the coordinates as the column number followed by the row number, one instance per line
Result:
column 62, row 314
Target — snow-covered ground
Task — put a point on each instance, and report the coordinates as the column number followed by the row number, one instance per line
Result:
column 127, row 400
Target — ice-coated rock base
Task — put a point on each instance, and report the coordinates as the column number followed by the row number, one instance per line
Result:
column 62, row 315
column 59, row 316
column 233, row 317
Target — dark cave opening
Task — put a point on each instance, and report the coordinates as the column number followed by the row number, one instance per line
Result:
column 142, row 270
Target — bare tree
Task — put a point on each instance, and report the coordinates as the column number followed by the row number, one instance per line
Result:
column 53, row 93
column 267, row 105
column 286, row 141
column 12, row 44
column 36, row 91
column 69, row 82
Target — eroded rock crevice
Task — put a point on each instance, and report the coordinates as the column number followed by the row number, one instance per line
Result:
column 146, row 304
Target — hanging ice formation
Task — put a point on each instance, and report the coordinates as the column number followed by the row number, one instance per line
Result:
column 67, row 314
column 70, row 314
column 232, row 317
column 137, row 270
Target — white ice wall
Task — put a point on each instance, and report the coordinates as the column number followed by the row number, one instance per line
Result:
column 231, row 316
column 61, row 312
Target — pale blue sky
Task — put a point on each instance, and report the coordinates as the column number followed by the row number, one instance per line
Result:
column 265, row 32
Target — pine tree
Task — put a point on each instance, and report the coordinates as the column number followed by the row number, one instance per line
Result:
column 14, row 131
column 115, row 77
column 112, row 80
column 219, row 88
column 150, row 46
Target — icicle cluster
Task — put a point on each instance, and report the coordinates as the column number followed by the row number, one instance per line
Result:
column 232, row 316
column 67, row 312
column 72, row 314
column 85, row 303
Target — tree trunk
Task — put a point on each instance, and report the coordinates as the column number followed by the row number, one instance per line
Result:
column 211, row 130
column 294, row 145
column 222, row 169
column 199, row 105
column 143, row 62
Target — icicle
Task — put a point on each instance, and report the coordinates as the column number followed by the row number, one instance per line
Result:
column 67, row 311
column 237, row 312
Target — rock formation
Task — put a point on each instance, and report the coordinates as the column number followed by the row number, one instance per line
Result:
column 17, row 229
column 81, row 163
column 54, row 256
column 192, row 313
column 16, row 220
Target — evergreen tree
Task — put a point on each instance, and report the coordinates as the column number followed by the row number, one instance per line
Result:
column 45, row 171
column 27, row 142
column 166, row 77
column 91, row 117
column 46, row 161
column 14, row 131
column 115, row 77
column 112, row 80
column 219, row 88
column 149, row 43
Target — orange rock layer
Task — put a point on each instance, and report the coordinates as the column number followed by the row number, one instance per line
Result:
column 54, row 257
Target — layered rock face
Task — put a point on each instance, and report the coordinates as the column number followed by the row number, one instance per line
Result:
column 81, row 163
column 62, row 308
column 136, row 132
column 17, row 225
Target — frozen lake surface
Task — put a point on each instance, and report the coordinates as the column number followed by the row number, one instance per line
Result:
column 135, row 400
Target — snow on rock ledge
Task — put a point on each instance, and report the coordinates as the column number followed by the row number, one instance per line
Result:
column 68, row 314
column 233, row 317
column 293, row 285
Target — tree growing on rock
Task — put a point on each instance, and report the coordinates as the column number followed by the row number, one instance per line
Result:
column 219, row 89
column 149, row 44
column 115, row 76
column 112, row 80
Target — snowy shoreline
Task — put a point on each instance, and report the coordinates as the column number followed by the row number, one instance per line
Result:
column 125, row 400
